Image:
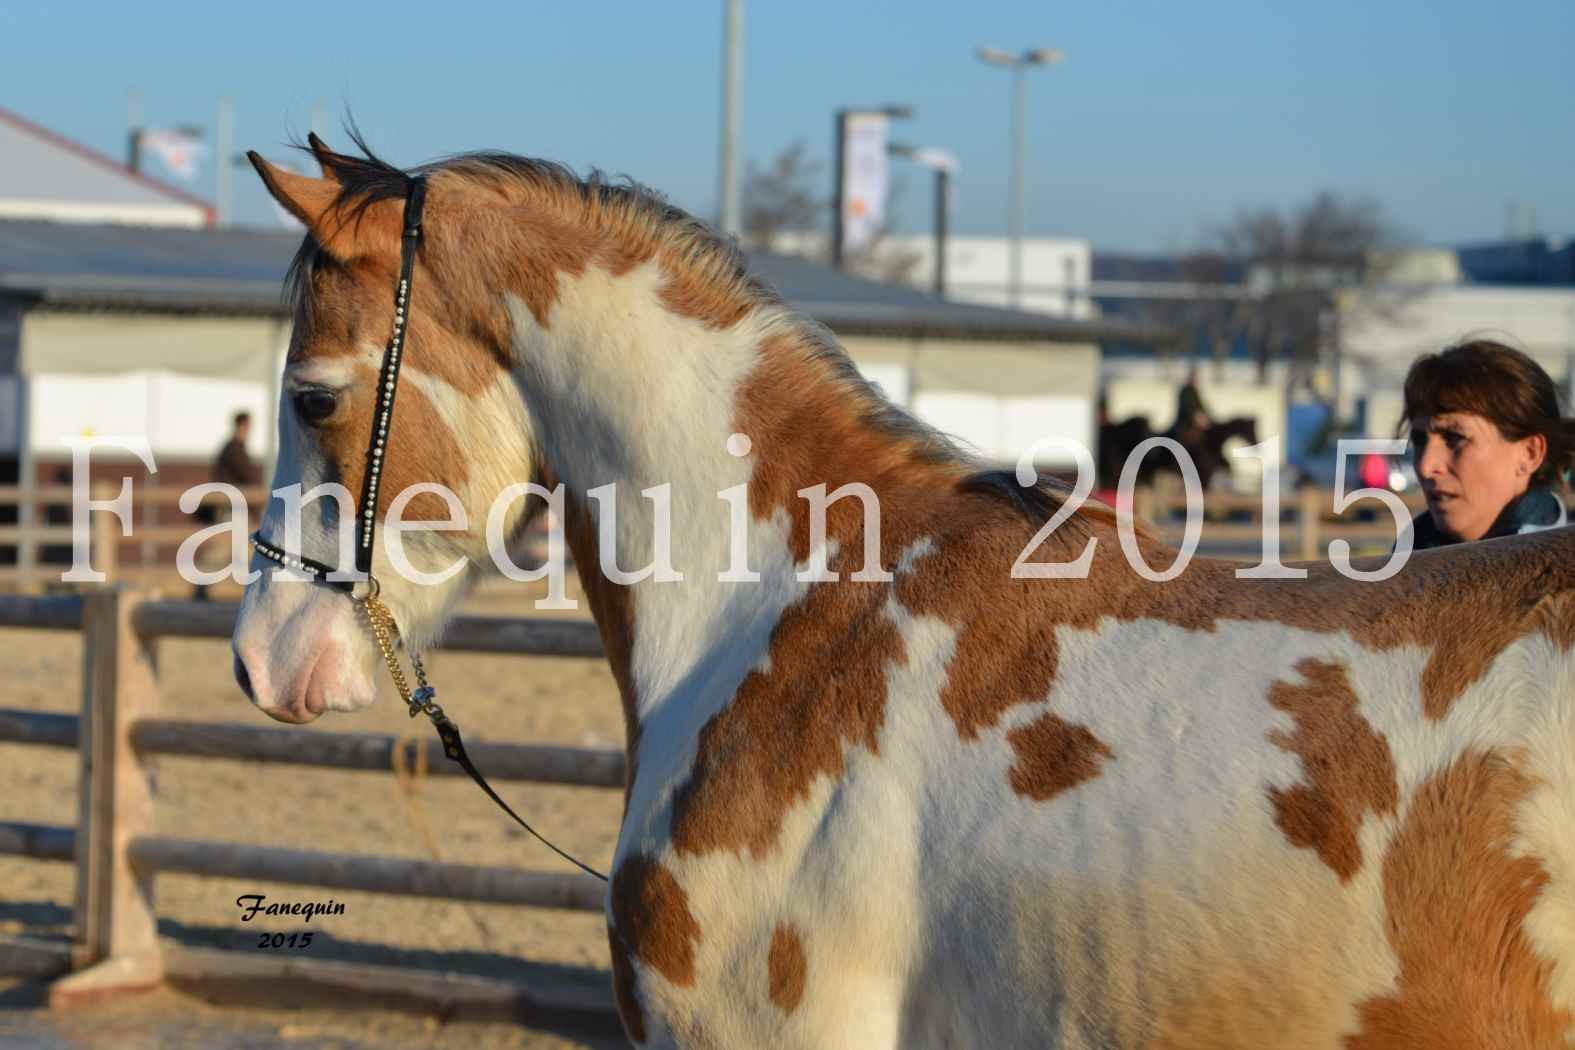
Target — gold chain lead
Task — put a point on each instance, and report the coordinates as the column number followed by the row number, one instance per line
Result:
column 385, row 632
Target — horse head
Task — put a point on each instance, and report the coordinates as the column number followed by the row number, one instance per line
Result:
column 459, row 436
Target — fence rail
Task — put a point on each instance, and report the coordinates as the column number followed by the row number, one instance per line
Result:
column 351, row 871
column 43, row 516
column 1306, row 518
column 118, row 856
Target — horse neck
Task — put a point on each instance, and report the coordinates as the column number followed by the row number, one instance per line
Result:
column 625, row 392
column 627, row 387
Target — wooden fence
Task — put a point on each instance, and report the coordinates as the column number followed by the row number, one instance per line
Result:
column 1307, row 518
column 118, row 856
column 43, row 521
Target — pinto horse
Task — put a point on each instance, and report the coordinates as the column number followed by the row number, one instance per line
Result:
column 927, row 803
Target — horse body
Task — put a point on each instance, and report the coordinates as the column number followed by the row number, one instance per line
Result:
column 1157, row 822
column 933, row 805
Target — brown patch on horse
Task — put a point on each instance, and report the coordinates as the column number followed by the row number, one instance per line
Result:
column 696, row 295
column 789, row 723
column 533, row 254
column 421, row 447
column 792, row 722
column 786, row 968
column 1348, row 767
column 651, row 919
column 1463, row 606
column 1555, row 617
column 1053, row 756
column 612, row 606
column 626, row 988
column 1457, row 893
column 554, row 231
column 1006, row 649
column 352, row 310
column 809, row 431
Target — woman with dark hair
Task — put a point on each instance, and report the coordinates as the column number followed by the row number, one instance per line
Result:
column 1490, row 446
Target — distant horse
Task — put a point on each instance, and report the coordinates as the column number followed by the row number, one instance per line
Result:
column 1116, row 442
column 930, row 803
column 1208, row 453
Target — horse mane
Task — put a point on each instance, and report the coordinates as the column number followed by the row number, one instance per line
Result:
column 620, row 205
column 627, row 207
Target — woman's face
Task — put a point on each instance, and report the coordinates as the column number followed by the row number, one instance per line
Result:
column 1469, row 471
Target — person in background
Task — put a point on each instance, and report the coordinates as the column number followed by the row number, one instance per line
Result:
column 1192, row 419
column 1490, row 446
column 232, row 466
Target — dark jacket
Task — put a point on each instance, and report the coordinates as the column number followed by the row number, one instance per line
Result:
column 233, row 466
column 1533, row 511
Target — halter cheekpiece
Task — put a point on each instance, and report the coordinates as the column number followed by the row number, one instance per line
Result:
column 383, row 410
column 361, row 586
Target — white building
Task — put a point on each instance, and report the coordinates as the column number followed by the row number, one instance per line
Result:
column 49, row 177
column 1055, row 274
column 163, row 333
column 1379, row 344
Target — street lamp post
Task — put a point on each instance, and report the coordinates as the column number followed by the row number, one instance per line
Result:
column 1018, row 64
column 732, row 62
column 944, row 164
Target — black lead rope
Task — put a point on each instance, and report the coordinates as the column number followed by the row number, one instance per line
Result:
column 454, row 748
column 384, row 629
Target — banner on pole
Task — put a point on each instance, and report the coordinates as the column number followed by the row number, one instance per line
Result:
column 180, row 151
column 864, row 179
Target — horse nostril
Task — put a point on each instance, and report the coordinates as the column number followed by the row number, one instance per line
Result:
column 243, row 679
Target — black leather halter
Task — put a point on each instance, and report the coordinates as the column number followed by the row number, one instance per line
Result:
column 387, row 387
column 423, row 699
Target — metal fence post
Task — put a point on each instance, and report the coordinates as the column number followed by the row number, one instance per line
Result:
column 117, row 932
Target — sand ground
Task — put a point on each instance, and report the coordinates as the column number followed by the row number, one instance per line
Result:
column 538, row 699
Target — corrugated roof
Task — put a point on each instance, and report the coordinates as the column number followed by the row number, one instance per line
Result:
column 240, row 271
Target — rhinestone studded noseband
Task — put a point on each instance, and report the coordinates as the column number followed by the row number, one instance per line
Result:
column 361, row 586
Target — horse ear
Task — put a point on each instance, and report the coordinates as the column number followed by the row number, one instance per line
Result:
column 346, row 233
column 325, row 156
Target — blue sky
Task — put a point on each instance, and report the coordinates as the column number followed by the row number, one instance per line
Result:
column 1164, row 119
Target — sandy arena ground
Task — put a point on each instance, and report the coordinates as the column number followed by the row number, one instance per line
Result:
column 569, row 701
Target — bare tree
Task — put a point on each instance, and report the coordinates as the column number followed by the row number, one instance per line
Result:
column 781, row 197
column 1296, row 263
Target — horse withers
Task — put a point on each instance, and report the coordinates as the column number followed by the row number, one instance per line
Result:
column 924, row 803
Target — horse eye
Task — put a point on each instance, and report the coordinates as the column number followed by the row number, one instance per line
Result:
column 315, row 405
